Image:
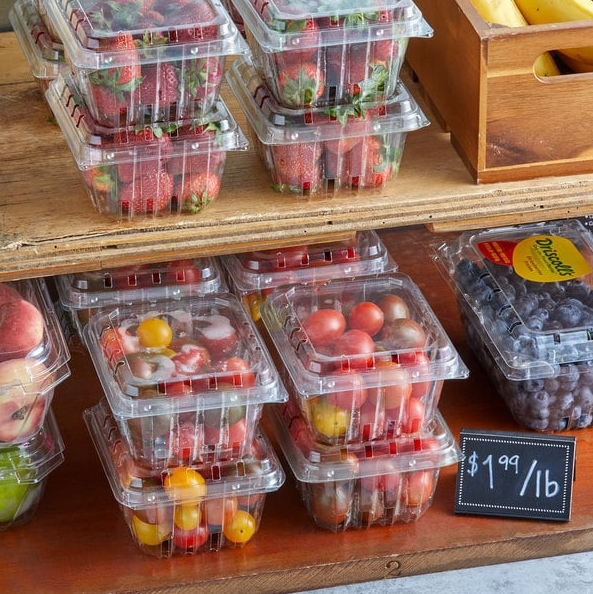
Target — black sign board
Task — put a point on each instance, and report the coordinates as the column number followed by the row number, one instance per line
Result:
column 519, row 475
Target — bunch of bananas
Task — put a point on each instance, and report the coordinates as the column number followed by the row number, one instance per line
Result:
column 519, row 13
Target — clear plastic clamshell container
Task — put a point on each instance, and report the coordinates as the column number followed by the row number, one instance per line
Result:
column 526, row 301
column 134, row 66
column 83, row 293
column 33, row 358
column 253, row 275
column 167, row 168
column 381, row 483
column 43, row 53
column 364, row 358
column 185, row 378
column 323, row 53
column 24, row 469
column 324, row 150
column 190, row 509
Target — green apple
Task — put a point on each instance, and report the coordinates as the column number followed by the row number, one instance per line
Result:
column 14, row 484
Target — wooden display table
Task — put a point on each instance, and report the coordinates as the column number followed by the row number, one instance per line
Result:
column 78, row 541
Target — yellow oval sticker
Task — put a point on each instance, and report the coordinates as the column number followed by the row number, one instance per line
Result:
column 547, row 259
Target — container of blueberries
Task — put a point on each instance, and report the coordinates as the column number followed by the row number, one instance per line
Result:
column 526, row 301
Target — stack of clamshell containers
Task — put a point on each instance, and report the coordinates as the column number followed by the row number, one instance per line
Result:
column 140, row 105
column 322, row 92
column 33, row 362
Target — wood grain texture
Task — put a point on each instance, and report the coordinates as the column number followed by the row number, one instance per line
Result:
column 78, row 542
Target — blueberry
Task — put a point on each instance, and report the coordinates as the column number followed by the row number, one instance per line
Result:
column 525, row 305
column 568, row 313
column 578, row 289
column 533, row 385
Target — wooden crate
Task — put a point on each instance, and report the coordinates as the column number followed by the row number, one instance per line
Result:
column 505, row 123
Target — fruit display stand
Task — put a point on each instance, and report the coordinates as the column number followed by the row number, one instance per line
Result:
column 78, row 540
column 49, row 225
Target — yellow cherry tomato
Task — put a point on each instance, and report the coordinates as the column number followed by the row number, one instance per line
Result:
column 154, row 332
column 187, row 517
column 330, row 420
column 185, row 486
column 149, row 534
column 241, row 527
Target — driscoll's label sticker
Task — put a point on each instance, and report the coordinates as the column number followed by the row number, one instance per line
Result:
column 541, row 258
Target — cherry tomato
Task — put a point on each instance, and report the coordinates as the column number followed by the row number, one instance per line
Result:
column 420, row 362
column 241, row 527
column 354, row 344
column 366, row 316
column 189, row 356
column 352, row 398
column 393, row 307
column 419, row 487
column 185, row 271
column 185, row 485
column 328, row 420
column 149, row 534
column 372, row 420
column 414, row 415
column 187, row 517
column 330, row 503
column 191, row 540
column 403, row 333
column 220, row 510
column 370, row 506
column 395, row 386
column 239, row 370
column 154, row 332
column 324, row 326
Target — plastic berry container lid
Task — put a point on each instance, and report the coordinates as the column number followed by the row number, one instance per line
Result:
column 529, row 287
column 146, row 282
column 274, row 124
column 93, row 145
column 44, row 55
column 314, row 462
column 31, row 461
column 278, row 25
column 168, row 356
column 360, row 255
column 320, row 343
column 181, row 31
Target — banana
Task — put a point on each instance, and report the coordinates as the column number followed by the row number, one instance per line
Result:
column 541, row 12
column 507, row 13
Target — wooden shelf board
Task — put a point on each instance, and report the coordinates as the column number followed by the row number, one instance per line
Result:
column 49, row 226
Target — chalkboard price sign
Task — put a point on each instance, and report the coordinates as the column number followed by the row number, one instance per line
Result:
column 515, row 474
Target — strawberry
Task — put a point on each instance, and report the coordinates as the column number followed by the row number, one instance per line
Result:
column 195, row 21
column 365, row 78
column 370, row 164
column 297, row 167
column 210, row 157
column 101, row 179
column 148, row 193
column 202, row 77
column 152, row 142
column 300, row 85
column 160, row 85
column 196, row 191
column 307, row 31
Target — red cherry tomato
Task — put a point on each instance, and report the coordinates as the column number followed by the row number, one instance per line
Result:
column 414, row 415
column 372, row 420
column 419, row 488
column 366, row 316
column 394, row 389
column 330, row 503
column 352, row 398
column 354, row 344
column 420, row 362
column 324, row 326
column 190, row 540
column 403, row 333
column 239, row 370
column 220, row 510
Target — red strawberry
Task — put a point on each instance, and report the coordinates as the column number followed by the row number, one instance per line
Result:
column 209, row 158
column 109, row 106
column 307, row 31
column 160, row 85
column 370, row 164
column 153, row 143
column 297, row 167
column 101, row 179
column 365, row 77
column 202, row 77
column 147, row 194
column 195, row 21
column 300, row 85
column 196, row 191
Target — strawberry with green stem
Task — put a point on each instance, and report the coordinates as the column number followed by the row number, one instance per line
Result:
column 201, row 79
column 211, row 157
column 297, row 167
column 300, row 85
column 195, row 191
column 372, row 163
column 148, row 193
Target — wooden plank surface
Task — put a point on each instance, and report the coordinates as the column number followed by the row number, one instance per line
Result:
column 78, row 542
column 48, row 224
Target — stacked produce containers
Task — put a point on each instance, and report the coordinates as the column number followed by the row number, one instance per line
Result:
column 322, row 92
column 33, row 361
column 364, row 362
column 140, row 102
